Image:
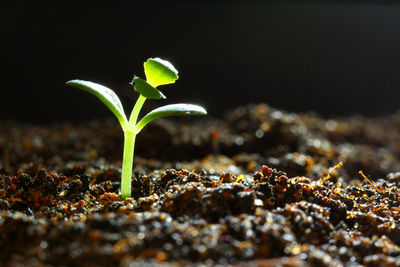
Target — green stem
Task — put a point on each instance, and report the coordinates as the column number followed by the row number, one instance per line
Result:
column 135, row 112
column 127, row 163
column 129, row 146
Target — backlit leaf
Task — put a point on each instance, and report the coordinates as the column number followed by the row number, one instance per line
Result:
column 159, row 72
column 106, row 95
column 171, row 110
column 146, row 89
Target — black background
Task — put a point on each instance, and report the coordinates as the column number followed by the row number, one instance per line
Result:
column 331, row 57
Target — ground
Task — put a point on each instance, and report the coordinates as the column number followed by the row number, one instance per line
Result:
column 257, row 187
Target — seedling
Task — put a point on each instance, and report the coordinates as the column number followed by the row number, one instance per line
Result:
column 158, row 72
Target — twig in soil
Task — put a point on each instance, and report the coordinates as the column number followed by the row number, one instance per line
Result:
column 331, row 172
column 369, row 181
column 215, row 141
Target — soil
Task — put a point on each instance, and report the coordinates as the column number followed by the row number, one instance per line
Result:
column 256, row 188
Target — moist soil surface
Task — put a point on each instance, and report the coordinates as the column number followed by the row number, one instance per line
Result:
column 256, row 188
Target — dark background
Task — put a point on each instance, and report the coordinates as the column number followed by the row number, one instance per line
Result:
column 330, row 57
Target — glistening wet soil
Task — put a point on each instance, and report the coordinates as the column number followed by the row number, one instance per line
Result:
column 250, row 190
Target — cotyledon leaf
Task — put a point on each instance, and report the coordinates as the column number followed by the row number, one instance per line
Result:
column 170, row 110
column 106, row 95
column 146, row 89
column 159, row 72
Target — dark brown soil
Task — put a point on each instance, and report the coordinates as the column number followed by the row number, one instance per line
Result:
column 246, row 190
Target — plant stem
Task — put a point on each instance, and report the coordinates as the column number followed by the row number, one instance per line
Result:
column 135, row 112
column 127, row 163
column 129, row 147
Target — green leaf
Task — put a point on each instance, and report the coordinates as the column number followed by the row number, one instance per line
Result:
column 170, row 110
column 159, row 72
column 146, row 89
column 106, row 95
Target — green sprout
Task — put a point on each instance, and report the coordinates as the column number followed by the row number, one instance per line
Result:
column 158, row 72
